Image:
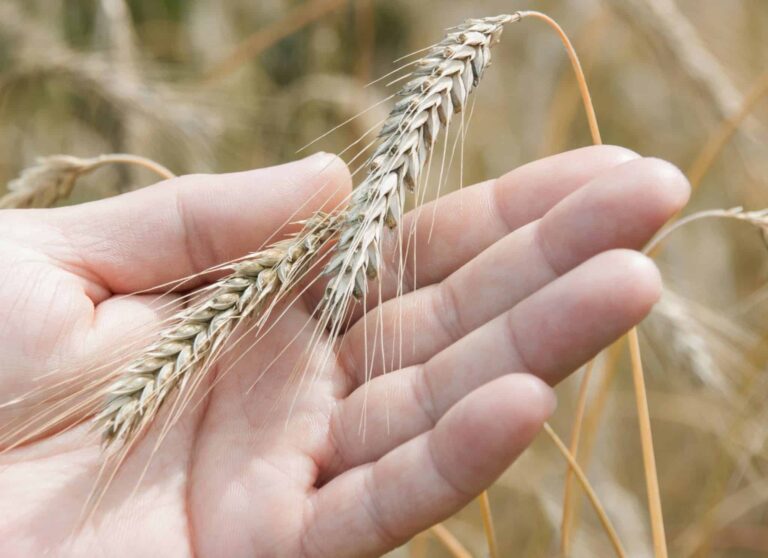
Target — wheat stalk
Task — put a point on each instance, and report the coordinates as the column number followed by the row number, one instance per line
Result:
column 440, row 87
column 52, row 178
column 187, row 348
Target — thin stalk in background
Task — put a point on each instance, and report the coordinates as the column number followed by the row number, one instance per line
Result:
column 253, row 45
column 449, row 541
column 591, row 495
column 490, row 532
column 586, row 428
column 717, row 141
column 52, row 178
column 646, row 439
column 568, row 500
column 649, row 460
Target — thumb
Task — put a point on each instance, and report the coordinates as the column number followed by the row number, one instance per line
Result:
column 185, row 225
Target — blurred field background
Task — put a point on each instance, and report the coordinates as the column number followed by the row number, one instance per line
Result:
column 208, row 86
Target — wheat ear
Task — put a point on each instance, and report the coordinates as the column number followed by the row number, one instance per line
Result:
column 52, row 178
column 186, row 349
column 440, row 87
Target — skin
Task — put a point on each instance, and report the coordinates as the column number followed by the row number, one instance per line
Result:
column 525, row 278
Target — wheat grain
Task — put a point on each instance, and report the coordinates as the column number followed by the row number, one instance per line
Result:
column 52, row 178
column 187, row 348
column 440, row 87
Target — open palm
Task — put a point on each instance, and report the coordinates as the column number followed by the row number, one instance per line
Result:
column 524, row 278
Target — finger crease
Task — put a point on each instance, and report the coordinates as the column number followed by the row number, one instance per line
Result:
column 542, row 245
column 446, row 308
column 441, row 474
column 371, row 505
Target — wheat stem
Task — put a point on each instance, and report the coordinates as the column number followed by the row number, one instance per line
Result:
column 261, row 40
column 564, row 107
column 488, row 528
column 568, row 504
column 717, row 141
column 757, row 218
column 449, row 541
column 136, row 160
column 581, row 80
column 646, row 438
column 52, row 178
column 587, row 487
column 594, row 130
column 592, row 416
column 652, row 483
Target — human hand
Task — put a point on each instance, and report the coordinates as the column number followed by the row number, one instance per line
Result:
column 525, row 278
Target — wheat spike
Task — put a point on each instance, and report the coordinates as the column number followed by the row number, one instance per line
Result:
column 52, row 178
column 187, row 348
column 440, row 87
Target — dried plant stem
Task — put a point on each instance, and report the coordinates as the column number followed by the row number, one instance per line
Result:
column 669, row 30
column 449, row 541
column 127, row 159
column 490, row 532
column 717, row 141
column 646, row 439
column 587, row 487
column 417, row 547
column 565, row 105
column 652, row 483
column 593, row 415
column 52, row 178
column 581, row 80
column 578, row 420
column 756, row 218
column 365, row 23
column 261, row 40
column 594, row 130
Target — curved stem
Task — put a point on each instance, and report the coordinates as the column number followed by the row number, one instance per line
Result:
column 578, row 419
column 602, row 516
column 649, row 460
column 449, row 541
column 712, row 149
column 654, row 243
column 586, row 97
column 127, row 159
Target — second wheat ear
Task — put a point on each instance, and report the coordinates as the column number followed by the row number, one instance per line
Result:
column 191, row 343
